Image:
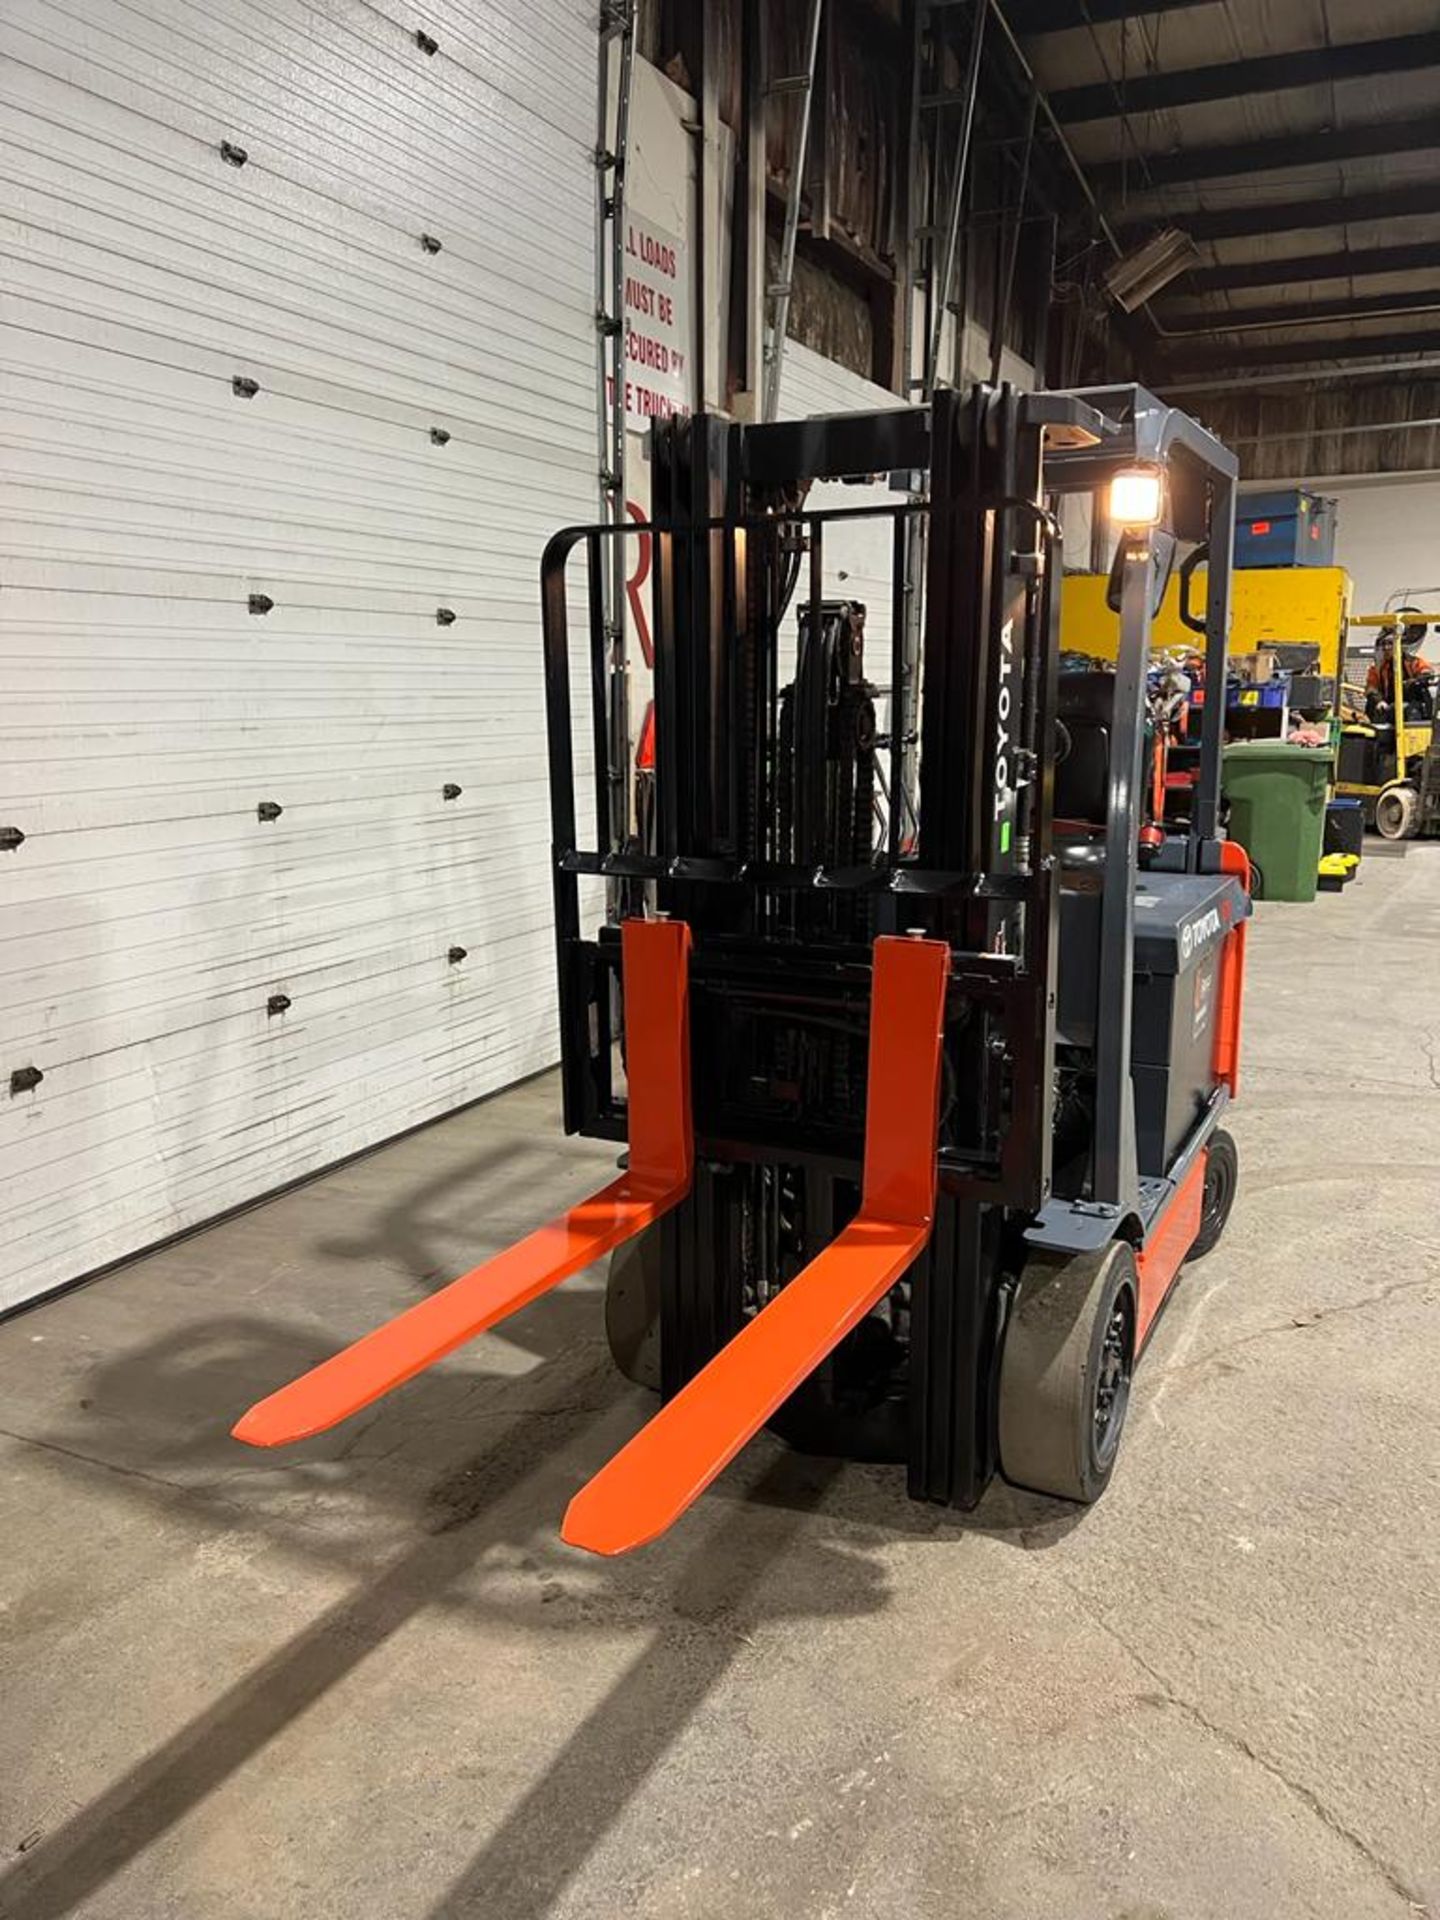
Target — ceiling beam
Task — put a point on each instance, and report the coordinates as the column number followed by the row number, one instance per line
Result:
column 1228, row 80
column 1298, row 313
column 1265, row 156
column 1288, row 216
column 1059, row 16
column 1344, row 264
column 1284, row 353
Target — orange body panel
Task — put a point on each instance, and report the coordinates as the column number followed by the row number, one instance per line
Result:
column 670, row 1462
column 662, row 1154
column 1167, row 1244
column 1233, row 859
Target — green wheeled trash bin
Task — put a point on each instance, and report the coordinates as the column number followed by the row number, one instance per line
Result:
column 1277, row 813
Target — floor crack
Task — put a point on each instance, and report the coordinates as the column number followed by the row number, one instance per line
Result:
column 1237, row 1743
column 1307, row 1797
column 1429, row 1042
column 1302, row 1321
column 202, row 1492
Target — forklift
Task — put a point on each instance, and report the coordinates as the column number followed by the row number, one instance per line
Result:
column 918, row 1035
column 1389, row 759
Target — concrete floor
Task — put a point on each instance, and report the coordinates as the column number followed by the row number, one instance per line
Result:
column 363, row 1678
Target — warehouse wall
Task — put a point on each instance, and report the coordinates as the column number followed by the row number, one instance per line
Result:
column 1388, row 540
column 261, row 441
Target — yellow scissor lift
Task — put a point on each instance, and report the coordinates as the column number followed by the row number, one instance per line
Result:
column 1393, row 771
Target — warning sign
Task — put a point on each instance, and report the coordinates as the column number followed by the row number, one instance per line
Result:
column 658, row 379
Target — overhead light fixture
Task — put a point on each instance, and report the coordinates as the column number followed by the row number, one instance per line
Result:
column 1136, row 497
column 1131, row 281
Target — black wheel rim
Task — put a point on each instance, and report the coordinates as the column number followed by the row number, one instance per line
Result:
column 1216, row 1201
column 1112, row 1378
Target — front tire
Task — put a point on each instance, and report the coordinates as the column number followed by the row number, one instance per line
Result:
column 1222, row 1177
column 1065, row 1372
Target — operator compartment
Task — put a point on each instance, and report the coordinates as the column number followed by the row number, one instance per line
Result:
column 1180, row 926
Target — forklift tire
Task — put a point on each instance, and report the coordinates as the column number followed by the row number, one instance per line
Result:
column 1065, row 1372
column 632, row 1309
column 1397, row 813
column 1222, row 1177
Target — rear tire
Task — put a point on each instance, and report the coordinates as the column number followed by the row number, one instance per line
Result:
column 1397, row 813
column 1065, row 1372
column 1222, row 1177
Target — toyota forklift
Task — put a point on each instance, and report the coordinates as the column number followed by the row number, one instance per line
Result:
column 1389, row 756
column 917, row 1037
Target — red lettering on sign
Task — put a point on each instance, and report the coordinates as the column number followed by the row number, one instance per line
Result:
column 651, row 252
column 636, row 581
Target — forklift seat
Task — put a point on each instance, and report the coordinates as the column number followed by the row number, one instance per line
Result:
column 1082, row 778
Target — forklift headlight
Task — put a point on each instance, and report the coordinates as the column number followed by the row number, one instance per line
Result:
column 1135, row 499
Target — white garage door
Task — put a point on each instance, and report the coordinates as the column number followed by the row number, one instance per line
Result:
column 278, row 469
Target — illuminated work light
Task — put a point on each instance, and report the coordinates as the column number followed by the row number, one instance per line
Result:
column 1135, row 499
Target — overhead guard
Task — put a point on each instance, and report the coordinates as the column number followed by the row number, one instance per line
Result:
column 671, row 1461
column 656, row 955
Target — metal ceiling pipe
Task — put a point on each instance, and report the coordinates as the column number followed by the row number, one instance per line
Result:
column 1227, row 383
column 1227, row 323
column 1319, row 433
column 957, row 202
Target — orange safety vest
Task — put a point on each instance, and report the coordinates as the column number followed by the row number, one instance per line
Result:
column 1381, row 679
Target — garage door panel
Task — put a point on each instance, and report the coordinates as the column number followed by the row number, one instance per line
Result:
column 193, row 1184
column 350, row 136
column 65, row 328
column 143, row 853
column 194, row 627
column 384, row 778
column 248, row 1070
column 150, row 915
column 484, row 34
column 91, row 285
column 85, row 416
column 124, row 947
column 93, row 163
column 178, row 1072
column 143, row 475
column 47, row 528
column 295, row 285
column 317, row 978
column 75, row 988
column 218, row 450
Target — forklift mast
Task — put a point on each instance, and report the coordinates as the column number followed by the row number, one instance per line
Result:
column 731, row 539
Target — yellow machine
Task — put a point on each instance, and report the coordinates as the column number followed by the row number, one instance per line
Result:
column 1271, row 606
column 1394, row 770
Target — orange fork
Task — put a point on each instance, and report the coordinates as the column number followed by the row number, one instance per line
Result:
column 656, row 956
column 671, row 1461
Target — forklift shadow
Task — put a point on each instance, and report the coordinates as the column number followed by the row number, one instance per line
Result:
column 167, row 1408
column 759, row 1564
column 872, row 1503
column 424, row 1453
column 403, row 1232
